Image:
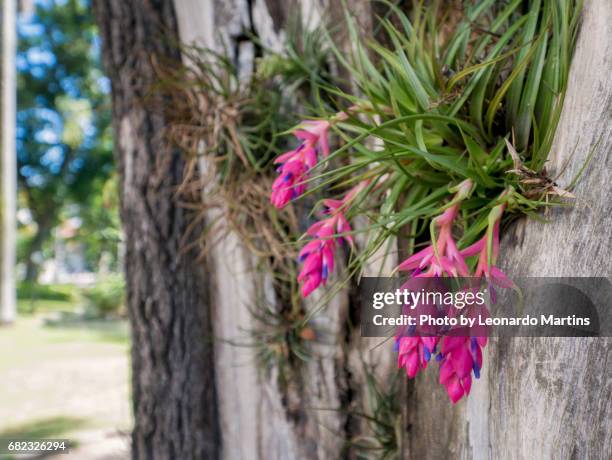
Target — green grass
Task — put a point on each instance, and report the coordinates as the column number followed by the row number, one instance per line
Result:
column 28, row 306
column 59, row 305
column 64, row 376
column 32, row 339
column 71, row 327
column 47, row 428
column 34, row 297
column 28, row 290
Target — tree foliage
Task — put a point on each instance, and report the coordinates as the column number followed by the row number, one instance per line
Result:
column 63, row 134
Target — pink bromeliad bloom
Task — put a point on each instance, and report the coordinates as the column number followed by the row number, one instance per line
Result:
column 442, row 257
column 318, row 254
column 414, row 353
column 294, row 165
column 489, row 243
column 316, row 134
column 293, row 169
column 417, row 344
column 460, row 357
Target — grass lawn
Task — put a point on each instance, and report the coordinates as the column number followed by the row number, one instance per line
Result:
column 63, row 377
column 36, row 298
column 27, row 306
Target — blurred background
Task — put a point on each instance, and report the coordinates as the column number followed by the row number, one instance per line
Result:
column 64, row 344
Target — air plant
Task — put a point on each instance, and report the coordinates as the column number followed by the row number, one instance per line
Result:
column 231, row 130
column 449, row 128
column 380, row 435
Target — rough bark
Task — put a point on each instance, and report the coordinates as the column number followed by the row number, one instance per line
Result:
column 545, row 397
column 174, row 393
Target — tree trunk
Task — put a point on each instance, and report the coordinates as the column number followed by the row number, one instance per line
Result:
column 44, row 226
column 545, row 397
column 311, row 417
column 8, row 162
column 174, row 394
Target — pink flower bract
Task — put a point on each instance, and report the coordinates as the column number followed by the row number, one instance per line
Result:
column 460, row 356
column 295, row 165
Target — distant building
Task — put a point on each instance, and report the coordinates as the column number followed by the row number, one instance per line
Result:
column 69, row 265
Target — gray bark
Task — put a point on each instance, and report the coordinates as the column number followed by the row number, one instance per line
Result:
column 8, row 163
column 173, row 374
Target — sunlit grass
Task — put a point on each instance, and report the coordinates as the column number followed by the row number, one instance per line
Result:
column 47, row 428
column 28, row 306
column 34, row 297
column 62, row 378
column 32, row 338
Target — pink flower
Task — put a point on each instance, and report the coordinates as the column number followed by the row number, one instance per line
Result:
column 414, row 353
column 318, row 254
column 460, row 357
column 490, row 242
column 316, row 134
column 318, row 258
column 290, row 183
column 442, row 257
column 295, row 164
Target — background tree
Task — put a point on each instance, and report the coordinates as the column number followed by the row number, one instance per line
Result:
column 8, row 179
column 63, row 133
column 173, row 386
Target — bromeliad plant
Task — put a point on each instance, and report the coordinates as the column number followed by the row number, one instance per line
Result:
column 382, row 414
column 229, row 124
column 447, row 141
